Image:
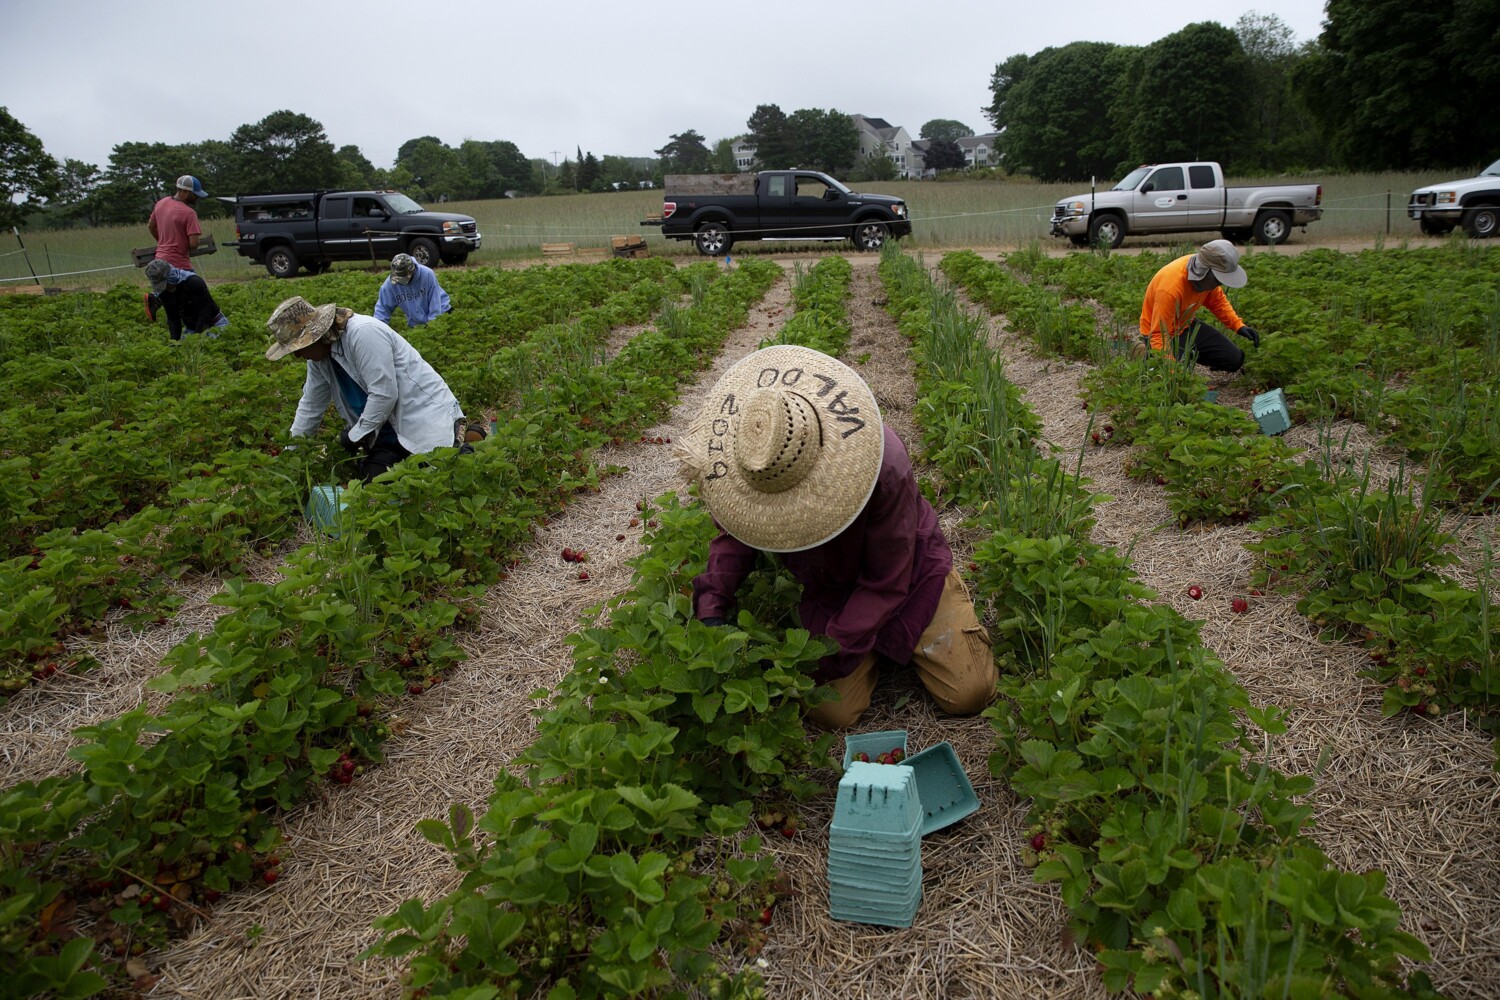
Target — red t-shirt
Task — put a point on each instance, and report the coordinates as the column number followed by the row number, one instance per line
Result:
column 175, row 222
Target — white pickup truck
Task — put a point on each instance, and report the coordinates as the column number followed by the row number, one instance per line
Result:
column 1474, row 202
column 1182, row 198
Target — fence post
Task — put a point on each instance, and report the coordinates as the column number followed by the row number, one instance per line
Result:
column 1388, row 211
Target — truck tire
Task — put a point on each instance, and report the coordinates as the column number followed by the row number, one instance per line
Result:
column 1480, row 222
column 869, row 235
column 1272, row 227
column 281, row 261
column 712, row 239
column 424, row 251
column 1106, row 230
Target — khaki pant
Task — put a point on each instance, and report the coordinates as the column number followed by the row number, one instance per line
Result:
column 952, row 658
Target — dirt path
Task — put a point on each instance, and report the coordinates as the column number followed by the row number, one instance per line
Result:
column 355, row 856
column 1412, row 797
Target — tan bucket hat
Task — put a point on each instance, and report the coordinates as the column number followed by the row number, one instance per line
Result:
column 786, row 449
column 295, row 324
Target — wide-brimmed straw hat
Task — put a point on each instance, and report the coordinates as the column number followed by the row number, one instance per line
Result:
column 786, row 449
column 295, row 324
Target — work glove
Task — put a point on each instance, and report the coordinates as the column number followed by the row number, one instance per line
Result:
column 1249, row 334
column 349, row 443
column 714, row 621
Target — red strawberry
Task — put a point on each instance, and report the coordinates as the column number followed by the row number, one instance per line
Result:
column 568, row 555
column 414, row 689
column 347, row 767
column 1195, row 592
column 583, row 574
column 1420, row 671
column 898, row 755
column 1038, row 841
column 862, row 756
column 1239, row 605
column 765, row 917
column 269, row 877
column 212, row 895
column 1095, row 436
column 619, row 538
column 789, row 832
column 1255, row 592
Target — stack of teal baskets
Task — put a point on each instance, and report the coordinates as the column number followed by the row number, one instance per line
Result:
column 875, row 846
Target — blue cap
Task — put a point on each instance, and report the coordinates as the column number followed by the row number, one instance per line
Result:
column 187, row 182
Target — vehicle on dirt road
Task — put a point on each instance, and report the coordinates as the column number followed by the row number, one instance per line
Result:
column 717, row 210
column 315, row 228
column 1182, row 198
column 1472, row 203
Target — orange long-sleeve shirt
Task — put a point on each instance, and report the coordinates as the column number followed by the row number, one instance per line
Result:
column 1171, row 302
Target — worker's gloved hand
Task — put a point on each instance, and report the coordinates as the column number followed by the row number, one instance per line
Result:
column 1249, row 334
column 715, row 621
column 349, row 443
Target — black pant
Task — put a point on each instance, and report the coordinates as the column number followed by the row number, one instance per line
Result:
column 1209, row 347
column 380, row 458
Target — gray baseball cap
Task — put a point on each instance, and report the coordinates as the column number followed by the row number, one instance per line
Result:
column 1223, row 259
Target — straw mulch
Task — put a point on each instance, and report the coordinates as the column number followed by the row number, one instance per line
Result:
column 1413, row 797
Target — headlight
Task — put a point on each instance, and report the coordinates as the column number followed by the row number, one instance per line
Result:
column 1447, row 197
column 899, row 210
column 453, row 227
column 1068, row 208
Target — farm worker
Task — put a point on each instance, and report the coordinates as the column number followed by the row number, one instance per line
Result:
column 174, row 226
column 791, row 457
column 1172, row 301
column 412, row 288
column 185, row 296
column 393, row 402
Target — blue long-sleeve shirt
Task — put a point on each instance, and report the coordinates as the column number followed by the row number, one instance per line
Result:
column 422, row 299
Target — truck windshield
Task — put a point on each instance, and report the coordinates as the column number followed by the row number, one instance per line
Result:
column 402, row 205
column 1132, row 179
column 1493, row 170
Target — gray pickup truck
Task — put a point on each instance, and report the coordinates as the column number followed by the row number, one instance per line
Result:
column 1183, row 198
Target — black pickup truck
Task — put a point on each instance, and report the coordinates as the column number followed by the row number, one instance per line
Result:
column 315, row 228
column 715, row 210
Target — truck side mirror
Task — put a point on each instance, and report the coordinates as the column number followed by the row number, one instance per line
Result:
column 830, row 195
column 1147, row 188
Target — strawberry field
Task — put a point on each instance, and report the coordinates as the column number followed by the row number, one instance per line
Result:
column 472, row 744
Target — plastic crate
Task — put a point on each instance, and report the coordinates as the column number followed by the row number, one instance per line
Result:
column 873, row 744
column 944, row 789
column 323, row 508
column 1270, row 411
column 877, row 801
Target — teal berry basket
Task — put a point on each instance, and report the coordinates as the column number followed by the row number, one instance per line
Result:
column 873, row 744
column 323, row 508
column 1270, row 411
column 943, row 787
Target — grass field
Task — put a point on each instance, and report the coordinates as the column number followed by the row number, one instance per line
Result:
column 949, row 214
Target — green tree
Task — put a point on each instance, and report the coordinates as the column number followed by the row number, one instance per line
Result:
column 284, row 151
column 722, row 161
column 769, row 134
column 945, row 128
column 943, row 154
column 1284, row 134
column 1056, row 110
column 357, row 170
column 588, row 173
column 140, row 173
column 1399, row 85
column 28, row 173
column 823, row 140
column 495, row 167
column 685, row 154
column 878, row 167
column 437, row 171
column 1188, row 102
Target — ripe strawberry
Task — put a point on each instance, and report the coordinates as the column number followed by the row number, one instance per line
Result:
column 669, row 440
column 347, row 767
column 1239, row 605
column 1420, row 708
column 1419, row 671
column 583, row 575
column 659, row 440
column 635, row 522
column 1256, row 592
column 269, row 877
column 862, row 756
column 1195, row 592
column 898, row 755
column 414, row 689
column 789, row 832
column 619, row 538
column 1109, row 428
column 1095, row 436
column 1161, row 480
column 568, row 555
column 1038, row 841
column 364, row 711
column 973, row 567
column 765, row 917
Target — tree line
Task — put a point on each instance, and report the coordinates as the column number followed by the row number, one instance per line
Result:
column 1388, row 85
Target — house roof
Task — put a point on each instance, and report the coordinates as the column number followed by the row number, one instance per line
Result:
column 969, row 143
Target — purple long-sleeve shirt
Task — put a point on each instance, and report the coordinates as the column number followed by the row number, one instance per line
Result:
column 874, row 586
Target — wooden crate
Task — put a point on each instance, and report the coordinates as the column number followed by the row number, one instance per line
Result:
column 622, row 242
column 145, row 255
column 558, row 249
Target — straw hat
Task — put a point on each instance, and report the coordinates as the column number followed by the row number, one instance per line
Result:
column 295, row 324
column 786, row 448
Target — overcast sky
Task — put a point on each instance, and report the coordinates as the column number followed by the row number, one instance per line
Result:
column 613, row 78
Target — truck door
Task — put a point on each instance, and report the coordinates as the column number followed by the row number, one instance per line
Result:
column 374, row 220
column 776, row 194
column 1205, row 197
column 821, row 209
column 1161, row 202
column 334, row 230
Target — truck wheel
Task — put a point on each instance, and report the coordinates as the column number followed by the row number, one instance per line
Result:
column 1106, row 230
column 1480, row 222
column 424, row 251
column 712, row 239
column 869, row 236
column 281, row 261
column 1272, row 228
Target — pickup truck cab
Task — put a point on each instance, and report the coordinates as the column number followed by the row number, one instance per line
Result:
column 715, row 210
column 1185, row 197
column 1473, row 203
column 313, row 229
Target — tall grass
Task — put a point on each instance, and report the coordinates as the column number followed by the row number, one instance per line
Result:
column 1009, row 213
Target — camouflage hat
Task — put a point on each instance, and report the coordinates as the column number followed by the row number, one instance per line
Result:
column 403, row 268
column 1223, row 259
column 296, row 324
column 157, row 272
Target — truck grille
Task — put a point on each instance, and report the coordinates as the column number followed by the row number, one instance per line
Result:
column 1424, row 200
column 469, row 228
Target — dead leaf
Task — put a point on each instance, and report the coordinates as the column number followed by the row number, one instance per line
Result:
column 135, row 968
column 131, row 891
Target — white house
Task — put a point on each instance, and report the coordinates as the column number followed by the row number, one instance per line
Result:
column 979, row 150
column 877, row 136
column 744, row 153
